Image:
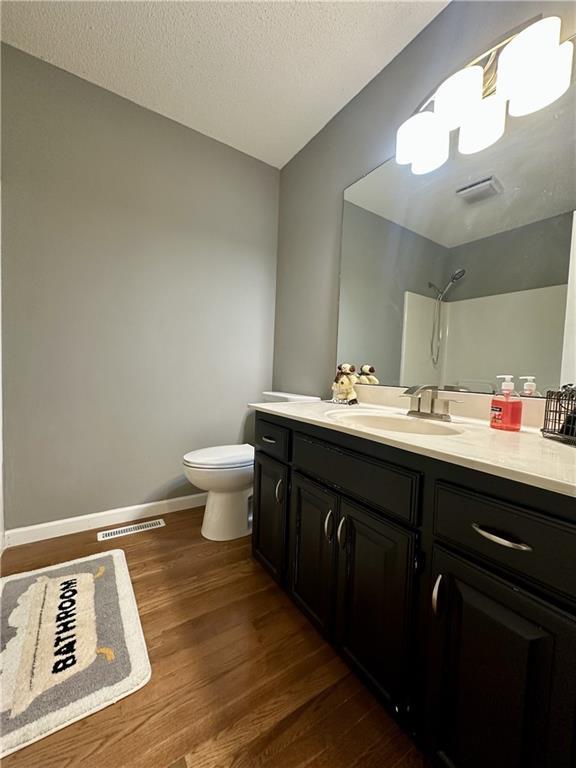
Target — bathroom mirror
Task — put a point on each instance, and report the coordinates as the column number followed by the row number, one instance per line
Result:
column 467, row 272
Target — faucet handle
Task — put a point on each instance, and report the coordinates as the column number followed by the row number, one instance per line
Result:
column 441, row 406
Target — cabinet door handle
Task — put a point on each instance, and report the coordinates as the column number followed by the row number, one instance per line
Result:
column 327, row 519
column 277, row 490
column 339, row 531
column 501, row 540
column 435, row 592
column 268, row 440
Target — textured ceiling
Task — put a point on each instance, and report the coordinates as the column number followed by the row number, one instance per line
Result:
column 263, row 77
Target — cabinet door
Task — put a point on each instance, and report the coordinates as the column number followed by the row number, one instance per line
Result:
column 503, row 673
column 313, row 519
column 270, row 519
column 374, row 604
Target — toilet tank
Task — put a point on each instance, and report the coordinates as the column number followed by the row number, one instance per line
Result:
column 287, row 397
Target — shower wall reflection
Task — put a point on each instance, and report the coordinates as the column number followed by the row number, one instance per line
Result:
column 505, row 314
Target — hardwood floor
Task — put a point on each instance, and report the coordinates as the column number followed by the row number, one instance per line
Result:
column 240, row 679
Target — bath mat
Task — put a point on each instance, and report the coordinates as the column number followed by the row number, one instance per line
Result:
column 71, row 644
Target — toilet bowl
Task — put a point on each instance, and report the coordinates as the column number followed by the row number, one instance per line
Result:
column 227, row 473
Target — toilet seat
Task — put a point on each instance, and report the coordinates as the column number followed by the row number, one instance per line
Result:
column 221, row 457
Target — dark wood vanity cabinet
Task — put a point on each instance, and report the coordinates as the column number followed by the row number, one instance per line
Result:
column 502, row 688
column 451, row 592
column 374, row 606
column 350, row 572
column 313, row 521
column 269, row 521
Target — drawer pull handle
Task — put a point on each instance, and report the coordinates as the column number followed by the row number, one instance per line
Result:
column 339, row 532
column 327, row 520
column 435, row 594
column 266, row 439
column 503, row 542
column 277, row 491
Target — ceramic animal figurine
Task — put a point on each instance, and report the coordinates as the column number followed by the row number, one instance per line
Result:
column 343, row 387
column 367, row 375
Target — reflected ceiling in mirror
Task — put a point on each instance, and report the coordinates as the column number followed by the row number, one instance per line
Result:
column 502, row 219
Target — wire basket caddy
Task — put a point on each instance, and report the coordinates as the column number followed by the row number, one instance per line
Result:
column 560, row 414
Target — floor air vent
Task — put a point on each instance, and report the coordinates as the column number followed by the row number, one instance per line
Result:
column 128, row 529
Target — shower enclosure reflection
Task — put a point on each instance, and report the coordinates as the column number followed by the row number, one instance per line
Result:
column 470, row 271
column 436, row 337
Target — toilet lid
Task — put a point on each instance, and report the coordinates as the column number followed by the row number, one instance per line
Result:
column 221, row 457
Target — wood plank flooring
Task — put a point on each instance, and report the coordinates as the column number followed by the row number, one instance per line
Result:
column 240, row 679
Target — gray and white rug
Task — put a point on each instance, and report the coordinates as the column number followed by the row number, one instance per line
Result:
column 71, row 644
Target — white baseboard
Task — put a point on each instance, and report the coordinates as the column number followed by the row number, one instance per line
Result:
column 27, row 534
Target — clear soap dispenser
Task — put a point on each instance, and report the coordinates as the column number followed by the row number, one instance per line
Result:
column 529, row 388
column 506, row 409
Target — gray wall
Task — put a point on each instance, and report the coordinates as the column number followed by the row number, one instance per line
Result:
column 358, row 139
column 380, row 261
column 534, row 256
column 139, row 262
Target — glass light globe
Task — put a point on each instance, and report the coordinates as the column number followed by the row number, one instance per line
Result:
column 433, row 148
column 534, row 69
column 544, row 83
column 409, row 137
column 529, row 46
column 458, row 94
column 483, row 126
column 424, row 141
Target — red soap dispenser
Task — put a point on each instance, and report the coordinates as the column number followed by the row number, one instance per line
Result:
column 506, row 410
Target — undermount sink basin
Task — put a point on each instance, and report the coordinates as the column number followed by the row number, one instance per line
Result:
column 384, row 423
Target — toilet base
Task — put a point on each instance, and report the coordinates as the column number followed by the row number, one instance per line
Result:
column 226, row 515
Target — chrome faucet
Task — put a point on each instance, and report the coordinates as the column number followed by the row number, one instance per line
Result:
column 425, row 403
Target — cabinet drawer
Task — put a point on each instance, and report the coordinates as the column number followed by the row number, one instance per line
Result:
column 531, row 544
column 390, row 488
column 272, row 439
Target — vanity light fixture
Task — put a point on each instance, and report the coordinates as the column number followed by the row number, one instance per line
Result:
column 532, row 70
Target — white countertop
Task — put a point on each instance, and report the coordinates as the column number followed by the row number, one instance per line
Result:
column 524, row 456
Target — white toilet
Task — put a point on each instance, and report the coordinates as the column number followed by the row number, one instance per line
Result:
column 227, row 473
